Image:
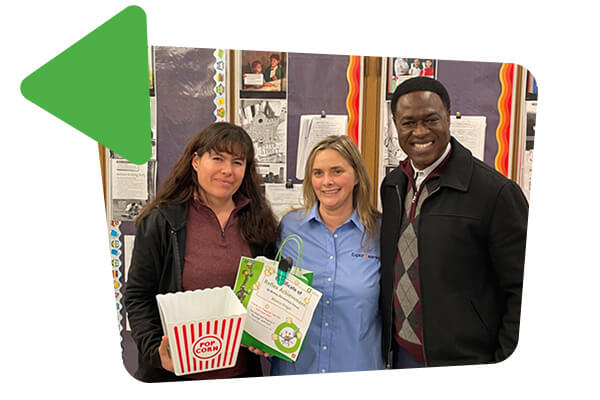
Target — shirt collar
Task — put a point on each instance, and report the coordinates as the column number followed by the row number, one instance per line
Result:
column 314, row 215
column 421, row 174
column 239, row 200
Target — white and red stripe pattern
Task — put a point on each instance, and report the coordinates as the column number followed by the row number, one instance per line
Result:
column 203, row 343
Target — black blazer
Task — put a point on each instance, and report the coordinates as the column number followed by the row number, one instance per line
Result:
column 471, row 246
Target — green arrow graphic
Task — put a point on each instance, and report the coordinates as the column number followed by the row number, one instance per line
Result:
column 100, row 85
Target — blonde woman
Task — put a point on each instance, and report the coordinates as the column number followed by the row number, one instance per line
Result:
column 340, row 231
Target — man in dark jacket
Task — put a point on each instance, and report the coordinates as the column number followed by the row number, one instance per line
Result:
column 452, row 243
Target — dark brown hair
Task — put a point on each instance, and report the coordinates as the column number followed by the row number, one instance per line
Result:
column 258, row 224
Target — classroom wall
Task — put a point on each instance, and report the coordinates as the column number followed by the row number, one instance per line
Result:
column 474, row 88
column 184, row 91
column 316, row 82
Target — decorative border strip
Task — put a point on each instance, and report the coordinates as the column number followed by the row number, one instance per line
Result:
column 353, row 99
column 219, row 89
column 504, row 106
column 116, row 244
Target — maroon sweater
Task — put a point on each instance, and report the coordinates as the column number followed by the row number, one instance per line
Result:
column 212, row 256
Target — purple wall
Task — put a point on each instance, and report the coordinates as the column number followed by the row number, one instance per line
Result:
column 184, row 93
column 315, row 82
column 184, row 105
column 474, row 88
column 184, row 90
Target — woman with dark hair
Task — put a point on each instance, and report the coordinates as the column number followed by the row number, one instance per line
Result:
column 208, row 214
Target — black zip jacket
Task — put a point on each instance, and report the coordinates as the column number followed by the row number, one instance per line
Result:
column 156, row 268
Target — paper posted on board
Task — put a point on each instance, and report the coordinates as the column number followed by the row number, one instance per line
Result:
column 313, row 128
column 282, row 198
column 470, row 132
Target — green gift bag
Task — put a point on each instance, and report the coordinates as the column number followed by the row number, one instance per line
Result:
column 278, row 315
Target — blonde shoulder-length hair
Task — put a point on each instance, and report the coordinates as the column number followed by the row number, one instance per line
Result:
column 369, row 215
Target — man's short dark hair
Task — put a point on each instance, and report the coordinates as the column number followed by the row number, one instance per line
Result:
column 275, row 56
column 421, row 83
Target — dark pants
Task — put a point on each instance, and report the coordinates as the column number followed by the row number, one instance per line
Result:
column 402, row 359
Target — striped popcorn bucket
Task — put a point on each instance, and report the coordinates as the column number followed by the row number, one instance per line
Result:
column 204, row 328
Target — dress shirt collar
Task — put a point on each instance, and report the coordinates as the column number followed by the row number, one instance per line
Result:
column 315, row 215
column 421, row 174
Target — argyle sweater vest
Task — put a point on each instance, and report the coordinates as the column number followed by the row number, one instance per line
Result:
column 407, row 285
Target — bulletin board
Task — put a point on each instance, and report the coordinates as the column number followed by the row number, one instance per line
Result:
column 319, row 84
column 474, row 89
column 479, row 91
column 192, row 88
column 315, row 94
column 188, row 92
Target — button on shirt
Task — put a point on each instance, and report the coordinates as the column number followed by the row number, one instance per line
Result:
column 345, row 332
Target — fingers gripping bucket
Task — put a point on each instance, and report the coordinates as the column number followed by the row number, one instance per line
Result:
column 204, row 328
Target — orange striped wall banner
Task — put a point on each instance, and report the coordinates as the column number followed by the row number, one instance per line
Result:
column 504, row 109
column 353, row 99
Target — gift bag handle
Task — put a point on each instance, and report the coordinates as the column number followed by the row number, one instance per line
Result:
column 298, row 240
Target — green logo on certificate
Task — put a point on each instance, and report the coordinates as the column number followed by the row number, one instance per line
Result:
column 287, row 337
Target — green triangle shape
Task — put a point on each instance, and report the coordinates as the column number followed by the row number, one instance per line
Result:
column 100, row 85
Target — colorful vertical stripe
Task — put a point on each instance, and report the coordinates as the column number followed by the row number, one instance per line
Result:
column 353, row 99
column 115, row 254
column 504, row 110
column 219, row 89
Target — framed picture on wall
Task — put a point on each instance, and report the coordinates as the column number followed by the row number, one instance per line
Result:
column 400, row 69
column 263, row 74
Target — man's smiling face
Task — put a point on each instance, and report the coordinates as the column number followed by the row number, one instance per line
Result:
column 423, row 125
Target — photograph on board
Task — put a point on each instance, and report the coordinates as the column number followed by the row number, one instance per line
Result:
column 263, row 71
column 400, row 69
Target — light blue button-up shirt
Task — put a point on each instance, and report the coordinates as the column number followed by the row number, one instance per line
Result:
column 345, row 332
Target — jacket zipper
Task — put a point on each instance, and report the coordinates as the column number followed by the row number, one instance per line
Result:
column 177, row 259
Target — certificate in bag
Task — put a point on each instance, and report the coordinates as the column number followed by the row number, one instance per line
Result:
column 279, row 315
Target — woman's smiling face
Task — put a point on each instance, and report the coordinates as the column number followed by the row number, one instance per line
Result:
column 333, row 180
column 219, row 175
